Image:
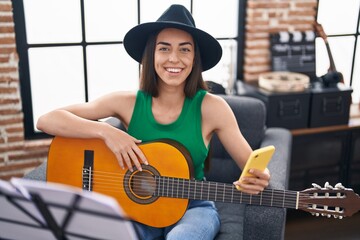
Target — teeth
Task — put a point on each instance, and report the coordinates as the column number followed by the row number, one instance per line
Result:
column 174, row 70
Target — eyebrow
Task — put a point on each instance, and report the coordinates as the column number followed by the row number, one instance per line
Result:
column 168, row 44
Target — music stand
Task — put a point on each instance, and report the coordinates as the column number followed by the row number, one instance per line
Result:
column 39, row 210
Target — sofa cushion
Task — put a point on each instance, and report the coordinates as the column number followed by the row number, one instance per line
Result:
column 38, row 173
column 232, row 221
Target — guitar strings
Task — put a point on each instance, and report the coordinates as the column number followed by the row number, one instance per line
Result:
column 107, row 181
column 191, row 192
column 120, row 176
column 238, row 197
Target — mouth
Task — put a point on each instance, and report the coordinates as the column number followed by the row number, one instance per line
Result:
column 173, row 70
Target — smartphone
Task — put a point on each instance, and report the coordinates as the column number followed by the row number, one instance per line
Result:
column 258, row 159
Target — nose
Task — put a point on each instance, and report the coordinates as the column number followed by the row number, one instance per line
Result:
column 173, row 57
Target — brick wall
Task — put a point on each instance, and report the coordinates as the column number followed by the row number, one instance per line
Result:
column 269, row 16
column 17, row 156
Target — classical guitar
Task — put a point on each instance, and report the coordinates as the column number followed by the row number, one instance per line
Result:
column 332, row 76
column 159, row 195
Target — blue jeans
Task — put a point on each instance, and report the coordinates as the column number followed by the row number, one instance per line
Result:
column 200, row 221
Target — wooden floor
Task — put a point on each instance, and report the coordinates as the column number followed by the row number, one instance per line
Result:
column 302, row 225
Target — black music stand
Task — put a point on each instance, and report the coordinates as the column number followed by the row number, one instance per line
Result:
column 38, row 210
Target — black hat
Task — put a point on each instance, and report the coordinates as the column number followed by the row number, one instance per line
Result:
column 176, row 16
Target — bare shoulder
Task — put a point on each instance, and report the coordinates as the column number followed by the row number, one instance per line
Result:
column 216, row 113
column 117, row 99
column 120, row 102
column 214, row 104
column 117, row 104
column 119, row 95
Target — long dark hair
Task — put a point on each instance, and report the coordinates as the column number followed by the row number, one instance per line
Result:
column 149, row 79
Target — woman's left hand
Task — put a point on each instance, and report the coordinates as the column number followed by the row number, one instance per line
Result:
column 255, row 184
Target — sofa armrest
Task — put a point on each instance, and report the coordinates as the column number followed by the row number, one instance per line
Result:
column 269, row 222
column 39, row 173
column 279, row 166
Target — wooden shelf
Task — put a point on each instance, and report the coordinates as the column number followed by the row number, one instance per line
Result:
column 354, row 123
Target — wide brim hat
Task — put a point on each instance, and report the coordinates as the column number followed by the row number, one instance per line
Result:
column 176, row 16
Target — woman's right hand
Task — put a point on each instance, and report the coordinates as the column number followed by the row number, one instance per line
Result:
column 125, row 148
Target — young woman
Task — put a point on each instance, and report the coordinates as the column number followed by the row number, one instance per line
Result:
column 172, row 103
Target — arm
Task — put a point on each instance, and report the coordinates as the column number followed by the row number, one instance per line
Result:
column 229, row 134
column 79, row 121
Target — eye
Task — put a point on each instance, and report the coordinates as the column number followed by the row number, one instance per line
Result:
column 185, row 49
column 163, row 48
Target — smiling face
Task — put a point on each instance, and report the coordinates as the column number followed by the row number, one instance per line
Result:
column 174, row 56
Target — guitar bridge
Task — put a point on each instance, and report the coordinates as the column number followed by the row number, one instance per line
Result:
column 87, row 173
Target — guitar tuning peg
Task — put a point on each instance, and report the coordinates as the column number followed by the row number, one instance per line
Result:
column 328, row 186
column 316, row 186
column 341, row 217
column 339, row 186
column 329, row 215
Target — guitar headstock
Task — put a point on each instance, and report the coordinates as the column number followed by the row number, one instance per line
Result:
column 329, row 201
column 320, row 30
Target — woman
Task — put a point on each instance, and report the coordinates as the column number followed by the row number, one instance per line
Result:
column 172, row 103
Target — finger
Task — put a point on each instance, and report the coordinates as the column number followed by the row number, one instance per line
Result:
column 121, row 163
column 120, row 159
column 255, row 181
column 260, row 174
column 135, row 160
column 127, row 160
column 253, row 192
column 140, row 154
column 248, row 188
column 251, row 188
column 137, row 140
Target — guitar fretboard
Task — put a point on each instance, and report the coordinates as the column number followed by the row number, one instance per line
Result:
column 222, row 192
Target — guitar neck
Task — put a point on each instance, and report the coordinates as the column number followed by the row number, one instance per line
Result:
column 332, row 63
column 223, row 192
column 322, row 34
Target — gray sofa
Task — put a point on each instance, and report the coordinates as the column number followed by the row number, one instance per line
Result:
column 241, row 221
column 250, row 221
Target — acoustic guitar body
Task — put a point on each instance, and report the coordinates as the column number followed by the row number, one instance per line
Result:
column 134, row 191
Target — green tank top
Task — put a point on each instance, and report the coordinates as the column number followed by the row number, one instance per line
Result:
column 185, row 130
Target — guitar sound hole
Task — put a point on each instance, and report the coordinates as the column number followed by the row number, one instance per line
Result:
column 143, row 184
column 139, row 186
